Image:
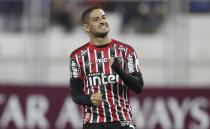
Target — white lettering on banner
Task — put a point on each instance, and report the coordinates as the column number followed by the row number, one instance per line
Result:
column 12, row 113
column 156, row 111
column 160, row 115
column 37, row 107
column 168, row 113
column 199, row 114
column 69, row 114
column 143, row 111
column 179, row 112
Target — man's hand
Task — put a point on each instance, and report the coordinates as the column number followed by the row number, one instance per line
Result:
column 116, row 61
column 96, row 99
column 111, row 60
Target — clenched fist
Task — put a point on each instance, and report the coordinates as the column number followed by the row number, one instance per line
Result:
column 96, row 99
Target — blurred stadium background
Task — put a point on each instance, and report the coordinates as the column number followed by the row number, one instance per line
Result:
column 171, row 37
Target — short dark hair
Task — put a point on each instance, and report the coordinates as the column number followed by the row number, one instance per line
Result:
column 85, row 14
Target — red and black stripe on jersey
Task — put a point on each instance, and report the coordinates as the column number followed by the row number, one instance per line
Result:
column 91, row 64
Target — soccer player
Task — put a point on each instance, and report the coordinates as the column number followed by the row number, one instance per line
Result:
column 101, row 73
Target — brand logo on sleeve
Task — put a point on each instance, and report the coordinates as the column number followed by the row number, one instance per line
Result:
column 74, row 69
column 130, row 64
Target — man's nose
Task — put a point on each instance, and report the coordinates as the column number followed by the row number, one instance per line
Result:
column 102, row 21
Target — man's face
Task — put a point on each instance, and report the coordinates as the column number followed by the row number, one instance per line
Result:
column 97, row 23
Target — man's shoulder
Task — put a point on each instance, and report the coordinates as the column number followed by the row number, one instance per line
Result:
column 78, row 50
column 123, row 44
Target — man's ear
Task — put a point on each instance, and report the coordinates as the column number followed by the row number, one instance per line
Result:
column 86, row 27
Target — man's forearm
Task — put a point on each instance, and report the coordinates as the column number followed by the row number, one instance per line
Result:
column 77, row 92
column 134, row 81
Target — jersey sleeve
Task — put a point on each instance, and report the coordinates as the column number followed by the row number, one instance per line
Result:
column 76, row 83
column 132, row 62
column 75, row 71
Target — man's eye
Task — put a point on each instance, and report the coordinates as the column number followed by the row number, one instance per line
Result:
column 95, row 19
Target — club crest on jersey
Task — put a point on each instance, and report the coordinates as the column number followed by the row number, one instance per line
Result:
column 102, row 79
column 119, row 48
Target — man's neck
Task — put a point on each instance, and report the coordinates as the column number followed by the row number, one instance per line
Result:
column 100, row 41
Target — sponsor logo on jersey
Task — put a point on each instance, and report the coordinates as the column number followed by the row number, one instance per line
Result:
column 102, row 79
column 103, row 60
